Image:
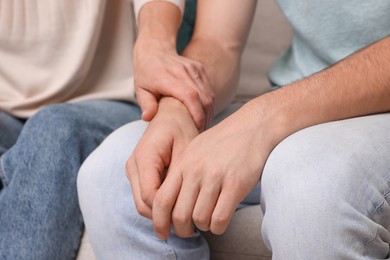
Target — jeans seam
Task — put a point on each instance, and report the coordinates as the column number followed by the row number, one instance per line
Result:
column 380, row 206
column 385, row 195
column 170, row 252
column 370, row 241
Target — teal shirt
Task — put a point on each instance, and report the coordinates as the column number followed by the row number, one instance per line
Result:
column 326, row 31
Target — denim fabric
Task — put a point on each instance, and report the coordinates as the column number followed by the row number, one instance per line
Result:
column 10, row 128
column 115, row 228
column 39, row 213
column 324, row 190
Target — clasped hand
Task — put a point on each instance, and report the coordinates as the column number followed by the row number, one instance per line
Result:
column 160, row 71
column 208, row 174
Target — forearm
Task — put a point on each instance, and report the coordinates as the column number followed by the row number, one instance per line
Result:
column 222, row 67
column 356, row 86
column 158, row 23
column 219, row 38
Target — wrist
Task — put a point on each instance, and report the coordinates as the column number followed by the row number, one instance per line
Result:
column 221, row 65
column 175, row 110
column 270, row 119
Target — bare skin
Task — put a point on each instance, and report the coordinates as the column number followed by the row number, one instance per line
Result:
column 205, row 190
column 173, row 125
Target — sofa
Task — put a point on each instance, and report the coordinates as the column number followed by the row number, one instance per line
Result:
column 270, row 35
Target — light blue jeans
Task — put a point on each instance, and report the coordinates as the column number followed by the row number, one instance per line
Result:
column 324, row 191
column 40, row 158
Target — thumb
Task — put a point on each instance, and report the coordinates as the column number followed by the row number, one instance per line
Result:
column 148, row 103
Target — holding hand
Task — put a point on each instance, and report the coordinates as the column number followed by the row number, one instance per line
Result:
column 215, row 173
column 160, row 71
column 163, row 141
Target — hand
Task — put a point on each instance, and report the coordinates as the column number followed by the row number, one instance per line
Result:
column 160, row 71
column 215, row 173
column 163, row 141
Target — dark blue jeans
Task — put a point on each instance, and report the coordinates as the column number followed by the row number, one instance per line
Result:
column 39, row 212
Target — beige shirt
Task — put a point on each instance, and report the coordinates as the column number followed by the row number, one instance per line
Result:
column 55, row 51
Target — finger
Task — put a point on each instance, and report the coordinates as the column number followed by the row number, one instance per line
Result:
column 224, row 210
column 132, row 175
column 182, row 211
column 163, row 205
column 177, row 83
column 204, row 207
column 148, row 103
column 206, row 95
column 189, row 96
column 181, row 87
column 150, row 168
column 208, row 103
column 199, row 76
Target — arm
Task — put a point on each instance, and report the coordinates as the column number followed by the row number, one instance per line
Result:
column 218, row 40
column 160, row 71
column 164, row 140
column 356, row 86
column 207, row 189
column 219, row 60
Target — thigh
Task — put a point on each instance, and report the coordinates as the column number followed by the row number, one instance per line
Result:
column 327, row 189
column 10, row 128
column 39, row 176
column 116, row 230
column 64, row 132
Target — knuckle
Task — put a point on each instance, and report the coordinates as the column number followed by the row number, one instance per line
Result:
column 146, row 196
column 219, row 222
column 158, row 227
column 195, row 67
column 180, row 218
column 201, row 221
column 143, row 210
column 178, row 69
column 192, row 94
column 199, row 65
column 208, row 98
column 208, row 103
column 162, row 201
column 214, row 176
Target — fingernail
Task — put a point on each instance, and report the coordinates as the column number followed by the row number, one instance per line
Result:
column 161, row 236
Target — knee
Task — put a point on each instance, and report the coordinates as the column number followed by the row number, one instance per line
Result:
column 102, row 178
column 312, row 168
column 89, row 179
column 315, row 183
column 96, row 187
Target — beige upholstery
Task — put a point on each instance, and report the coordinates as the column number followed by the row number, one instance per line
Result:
column 269, row 35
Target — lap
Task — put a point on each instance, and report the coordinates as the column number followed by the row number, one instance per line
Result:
column 66, row 130
column 341, row 154
column 330, row 181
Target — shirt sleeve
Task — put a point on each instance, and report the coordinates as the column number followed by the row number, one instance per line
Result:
column 138, row 4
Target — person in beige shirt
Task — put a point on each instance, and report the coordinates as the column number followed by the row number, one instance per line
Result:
column 66, row 82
